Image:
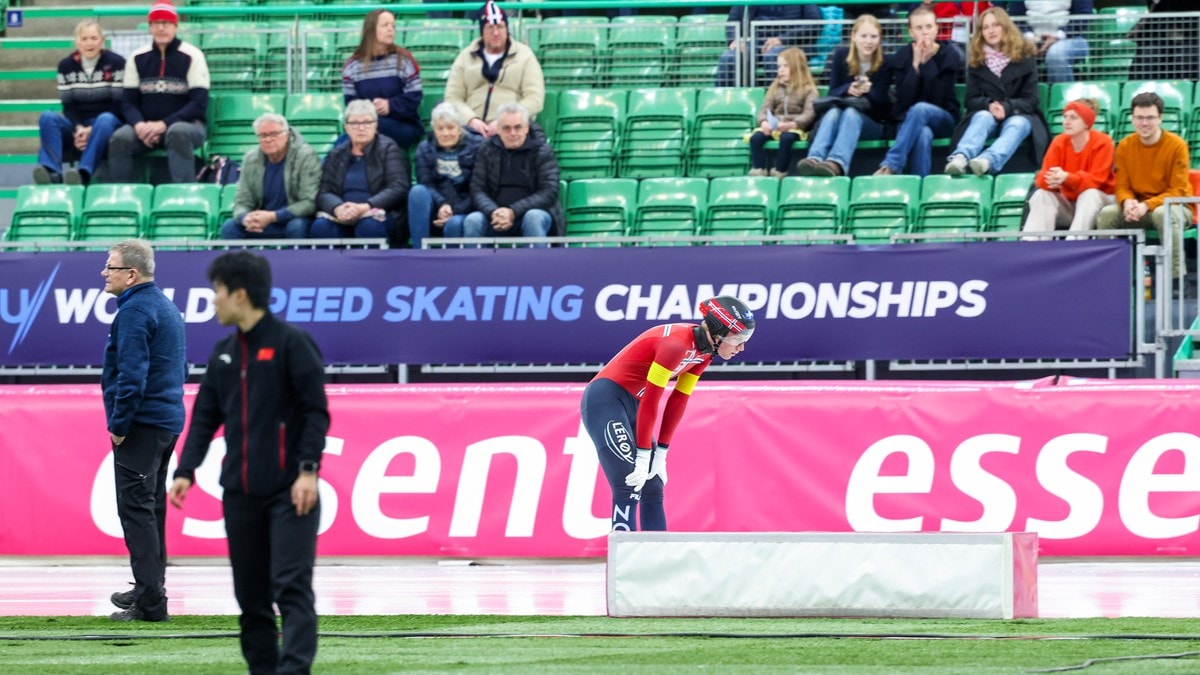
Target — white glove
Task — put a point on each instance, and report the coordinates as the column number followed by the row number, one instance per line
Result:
column 658, row 467
column 641, row 470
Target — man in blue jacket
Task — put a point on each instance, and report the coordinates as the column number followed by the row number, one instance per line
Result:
column 266, row 385
column 145, row 365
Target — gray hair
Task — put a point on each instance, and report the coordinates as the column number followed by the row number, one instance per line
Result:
column 517, row 108
column 270, row 117
column 447, row 112
column 361, row 106
column 88, row 23
column 138, row 254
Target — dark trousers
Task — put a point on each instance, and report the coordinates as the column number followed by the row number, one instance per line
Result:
column 609, row 415
column 272, row 551
column 783, row 156
column 141, row 476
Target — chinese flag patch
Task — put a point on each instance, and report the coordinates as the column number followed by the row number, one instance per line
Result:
column 266, row 353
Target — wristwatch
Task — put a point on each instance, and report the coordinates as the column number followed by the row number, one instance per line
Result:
column 309, row 466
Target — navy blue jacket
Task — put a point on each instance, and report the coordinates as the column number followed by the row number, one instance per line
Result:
column 932, row 83
column 791, row 35
column 145, row 362
column 840, row 80
column 447, row 173
column 267, row 388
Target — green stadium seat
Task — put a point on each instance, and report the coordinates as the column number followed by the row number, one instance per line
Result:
column 723, row 118
column 699, row 45
column 435, row 45
column 228, row 197
column 281, row 51
column 881, row 206
column 954, row 204
column 45, row 213
column 113, row 212
column 571, row 50
column 670, row 206
column 318, row 117
column 235, row 59
column 1111, row 60
column 1010, row 191
column 317, row 58
column 1106, row 94
column 654, row 135
column 1177, row 104
column 184, row 211
column 587, row 132
column 639, row 54
column 811, row 205
column 600, row 207
column 742, row 206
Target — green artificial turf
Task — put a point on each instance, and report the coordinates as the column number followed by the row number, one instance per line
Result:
column 526, row 644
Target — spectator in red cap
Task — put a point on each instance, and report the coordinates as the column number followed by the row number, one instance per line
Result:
column 494, row 71
column 165, row 101
column 1076, row 179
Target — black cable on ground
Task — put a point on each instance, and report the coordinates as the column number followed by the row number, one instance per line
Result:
column 1114, row 659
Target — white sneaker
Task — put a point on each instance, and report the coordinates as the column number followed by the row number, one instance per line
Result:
column 980, row 166
column 957, row 166
column 758, row 172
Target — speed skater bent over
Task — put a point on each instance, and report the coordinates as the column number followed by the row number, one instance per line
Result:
column 620, row 404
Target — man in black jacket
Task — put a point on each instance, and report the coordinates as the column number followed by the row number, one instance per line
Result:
column 266, row 385
column 514, row 187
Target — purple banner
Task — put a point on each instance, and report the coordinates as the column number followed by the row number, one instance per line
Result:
column 1067, row 299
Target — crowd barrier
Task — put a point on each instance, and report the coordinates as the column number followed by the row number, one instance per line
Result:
column 1095, row 468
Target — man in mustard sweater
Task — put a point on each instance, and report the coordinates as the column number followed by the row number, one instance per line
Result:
column 1151, row 165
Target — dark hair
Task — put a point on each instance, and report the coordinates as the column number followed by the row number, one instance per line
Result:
column 243, row 269
column 1147, row 99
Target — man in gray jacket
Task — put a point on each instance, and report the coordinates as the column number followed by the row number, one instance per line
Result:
column 277, row 190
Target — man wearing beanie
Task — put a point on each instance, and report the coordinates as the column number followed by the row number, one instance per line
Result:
column 494, row 71
column 165, row 102
column 1076, row 179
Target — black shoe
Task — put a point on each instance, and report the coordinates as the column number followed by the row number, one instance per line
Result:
column 44, row 176
column 124, row 600
column 77, row 177
column 136, row 614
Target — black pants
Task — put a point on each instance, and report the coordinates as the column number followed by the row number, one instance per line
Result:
column 609, row 414
column 141, row 477
column 272, row 551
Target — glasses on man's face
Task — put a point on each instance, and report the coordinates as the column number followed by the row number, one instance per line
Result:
column 113, row 268
column 268, row 135
column 360, row 124
column 1144, row 118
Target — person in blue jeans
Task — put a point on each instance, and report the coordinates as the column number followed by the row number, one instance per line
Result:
column 277, row 189
column 514, row 186
column 1002, row 98
column 854, row 71
column 924, row 73
column 1057, row 37
column 440, row 201
column 89, row 84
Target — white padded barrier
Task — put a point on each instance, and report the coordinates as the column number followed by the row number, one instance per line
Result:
column 787, row 574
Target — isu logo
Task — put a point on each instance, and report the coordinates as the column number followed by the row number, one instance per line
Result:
column 618, row 440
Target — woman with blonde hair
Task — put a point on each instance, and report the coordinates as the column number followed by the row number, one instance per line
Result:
column 90, row 82
column 388, row 76
column 787, row 109
column 1002, row 98
column 857, row 77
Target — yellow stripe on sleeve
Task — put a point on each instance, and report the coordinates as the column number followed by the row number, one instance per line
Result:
column 658, row 375
column 686, row 383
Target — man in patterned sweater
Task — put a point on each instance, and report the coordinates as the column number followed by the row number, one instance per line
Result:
column 166, row 99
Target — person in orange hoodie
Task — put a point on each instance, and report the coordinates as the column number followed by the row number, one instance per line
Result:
column 1152, row 164
column 1076, row 179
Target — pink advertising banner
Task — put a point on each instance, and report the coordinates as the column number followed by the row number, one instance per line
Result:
column 1096, row 468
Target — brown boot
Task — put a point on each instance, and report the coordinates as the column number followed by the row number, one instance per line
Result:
column 807, row 167
column 828, row 168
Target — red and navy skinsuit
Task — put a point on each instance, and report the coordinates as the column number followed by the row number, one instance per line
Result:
column 620, row 406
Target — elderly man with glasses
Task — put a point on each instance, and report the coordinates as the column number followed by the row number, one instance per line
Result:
column 277, row 190
column 364, row 185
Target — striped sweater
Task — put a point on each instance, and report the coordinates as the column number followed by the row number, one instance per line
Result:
column 389, row 77
column 169, row 88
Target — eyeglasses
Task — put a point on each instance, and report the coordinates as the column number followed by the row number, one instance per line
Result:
column 1144, row 118
column 365, row 123
column 268, row 135
column 111, row 268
